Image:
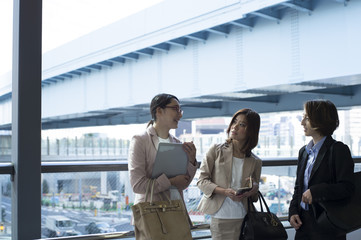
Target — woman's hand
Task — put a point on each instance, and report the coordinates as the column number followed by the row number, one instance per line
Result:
column 295, row 221
column 251, row 192
column 191, row 151
column 229, row 192
column 180, row 181
column 307, row 197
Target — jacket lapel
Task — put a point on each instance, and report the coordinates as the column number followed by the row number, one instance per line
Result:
column 154, row 137
column 304, row 159
column 248, row 166
column 227, row 157
column 321, row 155
column 303, row 164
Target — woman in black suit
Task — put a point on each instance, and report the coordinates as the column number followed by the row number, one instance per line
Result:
column 314, row 181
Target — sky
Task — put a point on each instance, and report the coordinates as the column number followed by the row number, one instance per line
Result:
column 63, row 21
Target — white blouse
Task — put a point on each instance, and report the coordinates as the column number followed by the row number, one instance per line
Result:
column 231, row 209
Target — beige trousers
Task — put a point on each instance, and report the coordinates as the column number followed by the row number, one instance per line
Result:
column 225, row 229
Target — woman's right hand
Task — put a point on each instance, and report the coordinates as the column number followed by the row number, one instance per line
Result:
column 181, row 181
column 228, row 192
column 191, row 151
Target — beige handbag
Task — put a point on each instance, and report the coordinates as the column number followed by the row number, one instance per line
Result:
column 160, row 220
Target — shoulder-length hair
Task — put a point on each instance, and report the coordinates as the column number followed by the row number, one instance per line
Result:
column 322, row 115
column 161, row 100
column 252, row 130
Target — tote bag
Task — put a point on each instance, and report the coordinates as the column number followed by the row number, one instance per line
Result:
column 261, row 225
column 160, row 220
column 341, row 215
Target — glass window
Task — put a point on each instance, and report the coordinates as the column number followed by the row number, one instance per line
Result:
column 86, row 203
column 5, row 203
column 6, row 19
column 6, row 29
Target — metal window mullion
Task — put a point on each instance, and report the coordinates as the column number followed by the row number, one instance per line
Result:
column 26, row 120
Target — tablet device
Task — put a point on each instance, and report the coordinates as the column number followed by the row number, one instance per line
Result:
column 171, row 160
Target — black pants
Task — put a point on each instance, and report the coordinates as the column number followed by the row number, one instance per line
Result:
column 310, row 231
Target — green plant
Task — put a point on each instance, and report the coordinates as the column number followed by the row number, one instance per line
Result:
column 45, row 186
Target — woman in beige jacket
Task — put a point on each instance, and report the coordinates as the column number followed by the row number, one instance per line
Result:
column 227, row 167
column 166, row 113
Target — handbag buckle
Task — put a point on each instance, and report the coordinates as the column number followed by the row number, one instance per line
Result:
column 274, row 222
column 163, row 207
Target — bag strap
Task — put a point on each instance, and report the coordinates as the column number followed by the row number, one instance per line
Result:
column 261, row 200
column 152, row 192
column 150, row 186
column 147, row 190
column 332, row 163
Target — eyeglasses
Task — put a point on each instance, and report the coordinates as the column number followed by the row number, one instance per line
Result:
column 175, row 108
column 305, row 117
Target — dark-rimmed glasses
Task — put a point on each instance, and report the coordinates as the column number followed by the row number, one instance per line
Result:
column 175, row 108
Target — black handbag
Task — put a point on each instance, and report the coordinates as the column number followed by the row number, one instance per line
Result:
column 343, row 215
column 263, row 225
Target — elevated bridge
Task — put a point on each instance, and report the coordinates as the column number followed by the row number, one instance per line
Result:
column 216, row 56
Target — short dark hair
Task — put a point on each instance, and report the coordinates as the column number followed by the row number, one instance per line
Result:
column 161, row 100
column 322, row 115
column 253, row 125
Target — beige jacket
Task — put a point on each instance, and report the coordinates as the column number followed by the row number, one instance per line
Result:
column 142, row 152
column 216, row 170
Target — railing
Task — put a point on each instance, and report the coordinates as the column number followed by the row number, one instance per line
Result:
column 99, row 166
column 123, row 235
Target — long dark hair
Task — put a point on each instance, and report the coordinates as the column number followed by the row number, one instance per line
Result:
column 253, row 125
column 161, row 100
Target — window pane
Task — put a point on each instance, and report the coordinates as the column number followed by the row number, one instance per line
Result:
column 277, row 185
column 85, row 203
column 5, row 203
column 6, row 19
column 6, row 29
column 93, row 146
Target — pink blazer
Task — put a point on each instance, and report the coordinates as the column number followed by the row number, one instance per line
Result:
column 142, row 152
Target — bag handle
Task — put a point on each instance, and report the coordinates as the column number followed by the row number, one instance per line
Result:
column 147, row 190
column 261, row 200
column 150, row 186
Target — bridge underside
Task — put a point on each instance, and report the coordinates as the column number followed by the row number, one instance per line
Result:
column 223, row 59
column 345, row 92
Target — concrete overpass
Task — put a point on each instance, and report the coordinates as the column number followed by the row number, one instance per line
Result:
column 216, row 56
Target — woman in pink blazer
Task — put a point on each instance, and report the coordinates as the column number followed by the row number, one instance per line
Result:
column 227, row 167
column 166, row 113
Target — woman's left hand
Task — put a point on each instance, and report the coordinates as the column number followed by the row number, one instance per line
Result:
column 230, row 193
column 191, row 151
column 251, row 192
column 180, row 181
column 307, row 197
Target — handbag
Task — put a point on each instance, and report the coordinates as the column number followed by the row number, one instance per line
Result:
column 166, row 220
column 263, row 225
column 341, row 216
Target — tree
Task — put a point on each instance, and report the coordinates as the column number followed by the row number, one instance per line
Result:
column 45, row 186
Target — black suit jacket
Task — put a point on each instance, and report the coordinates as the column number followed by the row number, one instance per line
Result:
column 324, row 185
